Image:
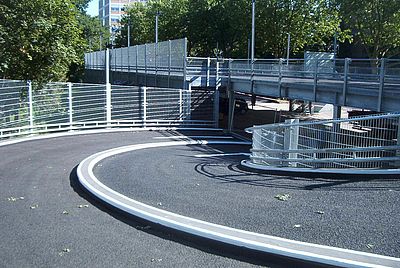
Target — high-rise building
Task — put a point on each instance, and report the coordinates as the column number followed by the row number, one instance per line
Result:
column 111, row 11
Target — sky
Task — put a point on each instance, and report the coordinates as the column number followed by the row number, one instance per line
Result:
column 93, row 8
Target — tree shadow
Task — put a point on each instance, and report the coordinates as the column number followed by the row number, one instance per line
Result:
column 196, row 242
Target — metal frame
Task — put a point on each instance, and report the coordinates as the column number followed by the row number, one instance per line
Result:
column 369, row 142
column 30, row 108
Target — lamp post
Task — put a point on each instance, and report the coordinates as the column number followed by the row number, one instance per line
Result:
column 288, row 49
column 129, row 32
column 157, row 15
column 253, row 29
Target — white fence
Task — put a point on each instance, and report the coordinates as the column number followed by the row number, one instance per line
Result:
column 369, row 142
column 28, row 108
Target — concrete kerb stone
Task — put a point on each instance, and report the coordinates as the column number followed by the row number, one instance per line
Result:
column 260, row 242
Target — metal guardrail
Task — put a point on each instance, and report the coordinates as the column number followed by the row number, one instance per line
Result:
column 369, row 142
column 27, row 108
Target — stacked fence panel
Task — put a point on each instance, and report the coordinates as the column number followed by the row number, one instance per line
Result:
column 369, row 142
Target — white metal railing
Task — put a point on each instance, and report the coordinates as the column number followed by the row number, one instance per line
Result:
column 369, row 142
column 28, row 108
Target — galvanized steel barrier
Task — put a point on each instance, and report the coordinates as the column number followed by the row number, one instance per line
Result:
column 369, row 142
column 30, row 108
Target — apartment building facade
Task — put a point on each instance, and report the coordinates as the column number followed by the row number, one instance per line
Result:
column 111, row 11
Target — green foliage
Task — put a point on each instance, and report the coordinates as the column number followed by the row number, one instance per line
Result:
column 93, row 35
column 39, row 39
column 226, row 25
column 45, row 40
column 375, row 23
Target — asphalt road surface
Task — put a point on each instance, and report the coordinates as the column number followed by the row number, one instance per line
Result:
column 48, row 220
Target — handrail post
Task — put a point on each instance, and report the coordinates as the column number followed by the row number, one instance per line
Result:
column 145, row 65
column 108, row 104
column 137, row 63
column 169, row 63
column 347, row 62
column 30, row 101
column 180, row 105
column 315, row 80
column 216, row 108
column 381, row 83
column 208, row 72
column 144, row 106
column 217, row 76
column 185, row 64
column 291, row 139
column 189, row 102
column 70, row 105
column 280, row 77
column 155, row 63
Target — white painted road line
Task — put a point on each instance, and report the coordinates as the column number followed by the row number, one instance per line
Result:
column 260, row 242
column 192, row 137
column 221, row 155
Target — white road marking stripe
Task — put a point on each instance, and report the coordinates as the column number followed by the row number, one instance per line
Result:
column 220, row 155
column 192, row 137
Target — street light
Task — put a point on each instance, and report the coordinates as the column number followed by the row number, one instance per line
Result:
column 129, row 32
column 157, row 15
column 253, row 28
column 288, row 48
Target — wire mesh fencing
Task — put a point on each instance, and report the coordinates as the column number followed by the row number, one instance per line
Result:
column 166, row 57
column 369, row 142
column 30, row 108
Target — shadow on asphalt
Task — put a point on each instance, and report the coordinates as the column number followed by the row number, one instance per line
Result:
column 236, row 173
column 205, row 245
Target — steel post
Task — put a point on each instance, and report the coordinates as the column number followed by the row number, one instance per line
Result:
column 145, row 65
column 381, row 84
column 70, row 111
column 144, row 105
column 108, row 104
column 169, row 63
column 345, row 79
column 185, row 65
column 315, row 80
column 291, row 139
column 216, row 109
column 30, row 101
column 180, row 105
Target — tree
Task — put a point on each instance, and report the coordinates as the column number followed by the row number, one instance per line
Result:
column 375, row 23
column 310, row 23
column 39, row 39
column 94, row 37
column 226, row 25
column 141, row 18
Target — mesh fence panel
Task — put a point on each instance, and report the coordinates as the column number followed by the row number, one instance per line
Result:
column 89, row 103
column 362, row 142
column 50, row 104
column 13, row 104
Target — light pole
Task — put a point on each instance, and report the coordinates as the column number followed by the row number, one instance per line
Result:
column 157, row 15
column 288, row 49
column 253, row 29
column 129, row 32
